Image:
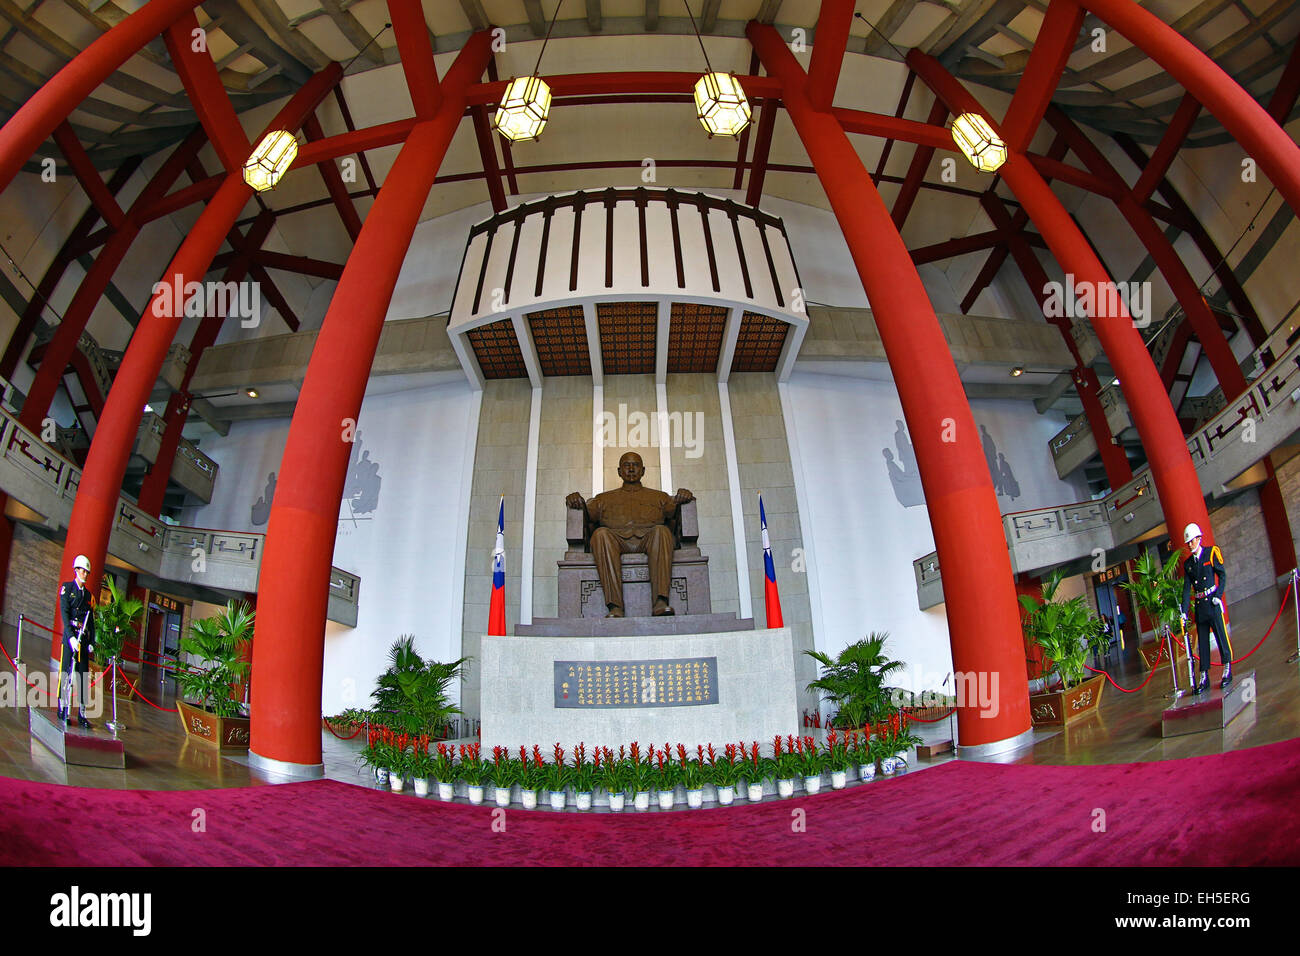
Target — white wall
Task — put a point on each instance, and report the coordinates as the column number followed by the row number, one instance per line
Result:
column 866, row 539
column 403, row 549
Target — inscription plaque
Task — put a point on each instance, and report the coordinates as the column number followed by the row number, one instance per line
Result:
column 677, row 682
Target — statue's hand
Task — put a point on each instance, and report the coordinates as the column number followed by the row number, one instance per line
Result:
column 575, row 501
column 683, row 496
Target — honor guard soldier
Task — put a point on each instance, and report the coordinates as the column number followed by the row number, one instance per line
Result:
column 1204, row 581
column 76, row 607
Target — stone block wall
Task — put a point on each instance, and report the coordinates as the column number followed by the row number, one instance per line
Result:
column 31, row 589
column 563, row 466
column 637, row 394
column 1240, row 534
column 500, row 461
column 763, row 458
column 703, row 469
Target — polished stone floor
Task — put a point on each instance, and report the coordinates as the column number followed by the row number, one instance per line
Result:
column 1125, row 729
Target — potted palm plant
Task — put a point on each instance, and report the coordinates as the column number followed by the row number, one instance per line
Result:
column 116, row 621
column 1067, row 632
column 1156, row 589
column 412, row 694
column 854, row 680
column 217, row 642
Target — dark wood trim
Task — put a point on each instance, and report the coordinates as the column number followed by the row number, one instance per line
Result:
column 482, row 272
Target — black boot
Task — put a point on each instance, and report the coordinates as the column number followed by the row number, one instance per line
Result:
column 1203, row 684
column 63, row 714
column 82, row 721
column 1226, row 682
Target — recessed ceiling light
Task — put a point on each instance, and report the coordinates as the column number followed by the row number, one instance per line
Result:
column 251, row 392
column 148, row 409
column 1115, row 382
column 1018, row 371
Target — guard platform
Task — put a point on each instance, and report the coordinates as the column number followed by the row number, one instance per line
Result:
column 1213, row 710
column 77, row 746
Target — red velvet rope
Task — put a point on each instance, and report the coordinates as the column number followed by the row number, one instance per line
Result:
column 330, row 728
column 28, row 620
column 1154, row 667
column 17, row 671
column 165, row 710
column 933, row 720
column 1286, row 596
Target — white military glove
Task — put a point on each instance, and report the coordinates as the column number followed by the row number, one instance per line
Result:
column 1218, row 603
column 75, row 645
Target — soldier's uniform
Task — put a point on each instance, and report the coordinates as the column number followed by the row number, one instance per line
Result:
column 74, row 604
column 1205, row 579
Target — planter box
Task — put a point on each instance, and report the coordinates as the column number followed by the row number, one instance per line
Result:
column 1060, row 707
column 1151, row 652
column 228, row 734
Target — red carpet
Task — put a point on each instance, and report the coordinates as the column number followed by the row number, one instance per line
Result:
column 1231, row 809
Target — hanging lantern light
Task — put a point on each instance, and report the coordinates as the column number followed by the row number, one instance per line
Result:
column 522, row 113
column 721, row 104
column 270, row 160
column 978, row 143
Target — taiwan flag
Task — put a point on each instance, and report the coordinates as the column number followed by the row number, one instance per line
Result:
column 497, row 608
column 771, row 598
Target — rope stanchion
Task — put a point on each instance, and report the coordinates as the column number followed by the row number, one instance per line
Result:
column 165, row 710
column 1159, row 656
column 14, row 664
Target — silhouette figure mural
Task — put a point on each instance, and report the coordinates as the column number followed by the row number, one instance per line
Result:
column 262, row 506
column 906, row 480
column 361, row 488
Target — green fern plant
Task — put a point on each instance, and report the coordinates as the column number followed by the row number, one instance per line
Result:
column 854, row 681
column 1067, row 631
column 217, row 641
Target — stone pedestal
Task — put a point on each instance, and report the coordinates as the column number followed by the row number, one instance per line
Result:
column 1213, row 710
column 752, row 690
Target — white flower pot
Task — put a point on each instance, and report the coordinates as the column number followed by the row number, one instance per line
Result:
column 785, row 788
column 900, row 765
column 557, row 799
column 665, row 799
column 839, row 779
column 502, row 795
column 754, row 792
column 695, row 798
column 381, row 776
column 582, row 800
column 421, row 786
column 812, row 784
column 726, row 795
column 396, row 782
column 528, row 798
column 867, row 772
column 475, row 793
column 616, row 801
column 641, row 800
column 888, row 765
column 446, row 791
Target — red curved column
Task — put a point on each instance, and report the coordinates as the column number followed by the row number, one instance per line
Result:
column 52, row 103
column 1171, row 465
column 288, row 646
column 978, row 585
column 1250, row 124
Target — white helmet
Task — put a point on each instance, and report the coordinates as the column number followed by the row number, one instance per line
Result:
column 81, row 562
column 1193, row 530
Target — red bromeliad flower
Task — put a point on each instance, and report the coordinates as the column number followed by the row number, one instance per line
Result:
column 789, row 743
column 523, row 755
column 712, row 756
column 558, row 751
column 580, row 754
column 595, row 755
column 754, row 751
column 636, row 752
column 622, row 753
column 659, row 756
column 831, row 739
column 776, row 746
column 681, row 754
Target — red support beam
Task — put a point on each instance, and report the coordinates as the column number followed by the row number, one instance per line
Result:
column 352, row 128
column 207, row 94
column 742, row 146
column 1050, row 168
column 488, row 157
column 1052, row 48
column 199, row 191
column 1258, row 133
column 898, row 113
column 299, row 264
column 983, row 615
column 894, row 127
column 63, row 92
column 1171, row 464
column 762, row 149
column 50, row 280
column 87, row 175
column 354, row 141
column 1236, row 294
column 916, row 170
column 333, row 180
column 271, row 292
column 1282, row 102
column 412, row 34
column 963, row 245
column 829, row 42
column 1175, row 135
column 288, row 650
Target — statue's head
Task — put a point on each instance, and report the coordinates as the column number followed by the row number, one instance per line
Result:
column 631, row 468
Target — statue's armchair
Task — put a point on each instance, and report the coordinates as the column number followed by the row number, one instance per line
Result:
column 578, row 584
column 684, row 524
